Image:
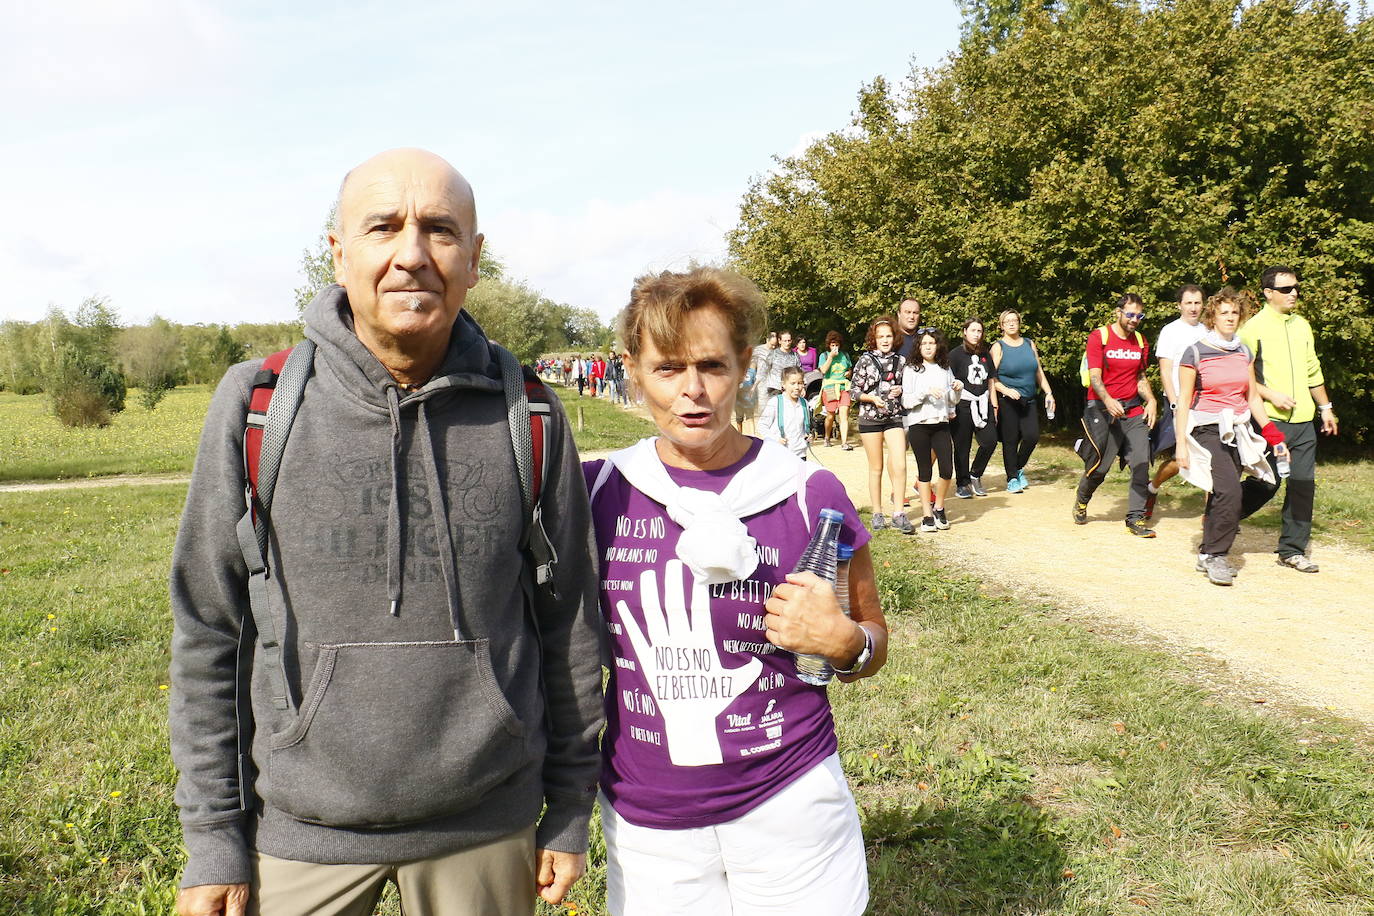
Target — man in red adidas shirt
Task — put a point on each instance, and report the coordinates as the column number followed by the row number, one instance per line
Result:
column 1120, row 411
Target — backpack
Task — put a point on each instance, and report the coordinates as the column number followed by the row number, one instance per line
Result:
column 1084, row 375
column 805, row 409
column 275, row 398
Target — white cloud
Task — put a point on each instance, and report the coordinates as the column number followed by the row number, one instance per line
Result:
column 589, row 257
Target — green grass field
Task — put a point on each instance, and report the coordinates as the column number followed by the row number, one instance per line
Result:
column 1006, row 761
column 34, row 446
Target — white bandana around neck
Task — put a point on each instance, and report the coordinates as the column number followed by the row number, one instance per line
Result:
column 715, row 545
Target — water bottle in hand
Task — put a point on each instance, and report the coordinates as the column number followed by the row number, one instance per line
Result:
column 820, row 557
column 1281, row 461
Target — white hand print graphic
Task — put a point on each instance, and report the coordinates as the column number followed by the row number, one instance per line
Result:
column 683, row 668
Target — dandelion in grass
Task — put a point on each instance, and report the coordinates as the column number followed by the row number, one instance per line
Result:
column 116, row 793
column 52, row 616
column 161, row 686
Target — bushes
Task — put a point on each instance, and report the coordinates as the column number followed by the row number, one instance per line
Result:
column 84, row 390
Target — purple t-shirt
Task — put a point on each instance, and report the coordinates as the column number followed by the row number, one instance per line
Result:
column 714, row 721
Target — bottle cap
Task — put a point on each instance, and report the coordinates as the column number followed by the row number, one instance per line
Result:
column 832, row 515
column 844, row 551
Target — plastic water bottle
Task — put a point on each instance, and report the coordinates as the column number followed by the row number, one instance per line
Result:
column 1284, row 466
column 843, row 554
column 821, row 557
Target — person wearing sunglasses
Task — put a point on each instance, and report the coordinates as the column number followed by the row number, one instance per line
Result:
column 1291, row 383
column 1120, row 411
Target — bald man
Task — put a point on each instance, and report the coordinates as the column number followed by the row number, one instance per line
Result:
column 430, row 717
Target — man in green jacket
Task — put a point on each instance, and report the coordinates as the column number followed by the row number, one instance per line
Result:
column 1291, row 383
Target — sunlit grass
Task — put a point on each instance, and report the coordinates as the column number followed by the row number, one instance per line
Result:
column 1006, row 760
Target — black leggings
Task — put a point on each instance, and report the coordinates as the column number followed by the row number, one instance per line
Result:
column 1019, row 428
column 964, row 433
column 923, row 437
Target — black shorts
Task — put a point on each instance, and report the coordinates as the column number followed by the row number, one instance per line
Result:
column 879, row 426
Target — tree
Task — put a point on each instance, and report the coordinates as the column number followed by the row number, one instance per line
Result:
column 1056, row 170
column 152, row 360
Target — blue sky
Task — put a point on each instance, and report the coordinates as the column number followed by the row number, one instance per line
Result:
column 178, row 155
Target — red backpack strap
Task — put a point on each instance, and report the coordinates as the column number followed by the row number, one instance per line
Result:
column 264, row 386
column 538, row 396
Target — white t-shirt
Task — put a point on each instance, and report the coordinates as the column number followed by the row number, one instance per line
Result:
column 1175, row 337
column 928, row 395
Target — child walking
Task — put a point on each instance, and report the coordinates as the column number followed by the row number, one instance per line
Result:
column 786, row 417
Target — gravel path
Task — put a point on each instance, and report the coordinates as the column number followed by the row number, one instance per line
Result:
column 1308, row 636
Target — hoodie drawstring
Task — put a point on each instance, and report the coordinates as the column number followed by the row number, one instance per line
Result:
column 394, row 558
column 443, row 536
column 443, row 533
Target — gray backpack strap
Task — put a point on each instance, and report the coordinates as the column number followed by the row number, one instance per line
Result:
column 534, row 538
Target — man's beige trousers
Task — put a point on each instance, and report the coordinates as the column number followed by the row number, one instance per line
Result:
column 494, row 879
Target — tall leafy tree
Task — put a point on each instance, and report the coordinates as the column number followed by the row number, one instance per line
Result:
column 1113, row 147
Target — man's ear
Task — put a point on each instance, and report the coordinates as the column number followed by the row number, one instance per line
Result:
column 473, row 274
column 340, row 267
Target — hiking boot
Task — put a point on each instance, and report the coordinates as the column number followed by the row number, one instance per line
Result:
column 1218, row 570
column 941, row 522
column 1080, row 513
column 1014, row 485
column 964, row 492
column 900, row 522
column 1202, row 565
column 879, row 521
column 1138, row 527
column 976, row 484
column 1299, row 562
column 1150, row 500
column 928, row 525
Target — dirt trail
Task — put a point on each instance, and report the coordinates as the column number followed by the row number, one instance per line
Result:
column 115, row 480
column 1309, row 637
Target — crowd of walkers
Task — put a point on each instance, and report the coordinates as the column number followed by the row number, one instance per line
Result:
column 1231, row 423
column 596, row 375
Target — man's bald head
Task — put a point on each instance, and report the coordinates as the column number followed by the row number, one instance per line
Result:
column 407, row 158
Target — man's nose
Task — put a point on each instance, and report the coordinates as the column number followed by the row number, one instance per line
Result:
column 412, row 252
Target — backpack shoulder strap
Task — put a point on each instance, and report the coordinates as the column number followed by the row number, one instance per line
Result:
column 528, row 410
column 273, row 402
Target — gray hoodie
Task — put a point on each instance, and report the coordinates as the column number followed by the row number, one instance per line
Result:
column 437, row 700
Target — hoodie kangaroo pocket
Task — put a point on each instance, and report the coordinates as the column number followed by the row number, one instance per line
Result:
column 395, row 733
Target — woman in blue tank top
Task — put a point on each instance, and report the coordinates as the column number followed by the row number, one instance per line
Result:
column 1018, row 374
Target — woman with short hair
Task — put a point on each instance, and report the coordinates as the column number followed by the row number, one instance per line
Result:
column 1217, row 396
column 835, row 368
column 721, row 788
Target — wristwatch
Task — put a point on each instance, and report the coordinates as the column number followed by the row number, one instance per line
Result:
column 865, row 654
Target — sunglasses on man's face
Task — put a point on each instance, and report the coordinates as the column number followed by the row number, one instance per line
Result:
column 1136, row 315
column 1285, row 290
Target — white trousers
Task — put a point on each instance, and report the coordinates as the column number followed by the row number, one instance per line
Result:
column 799, row 852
